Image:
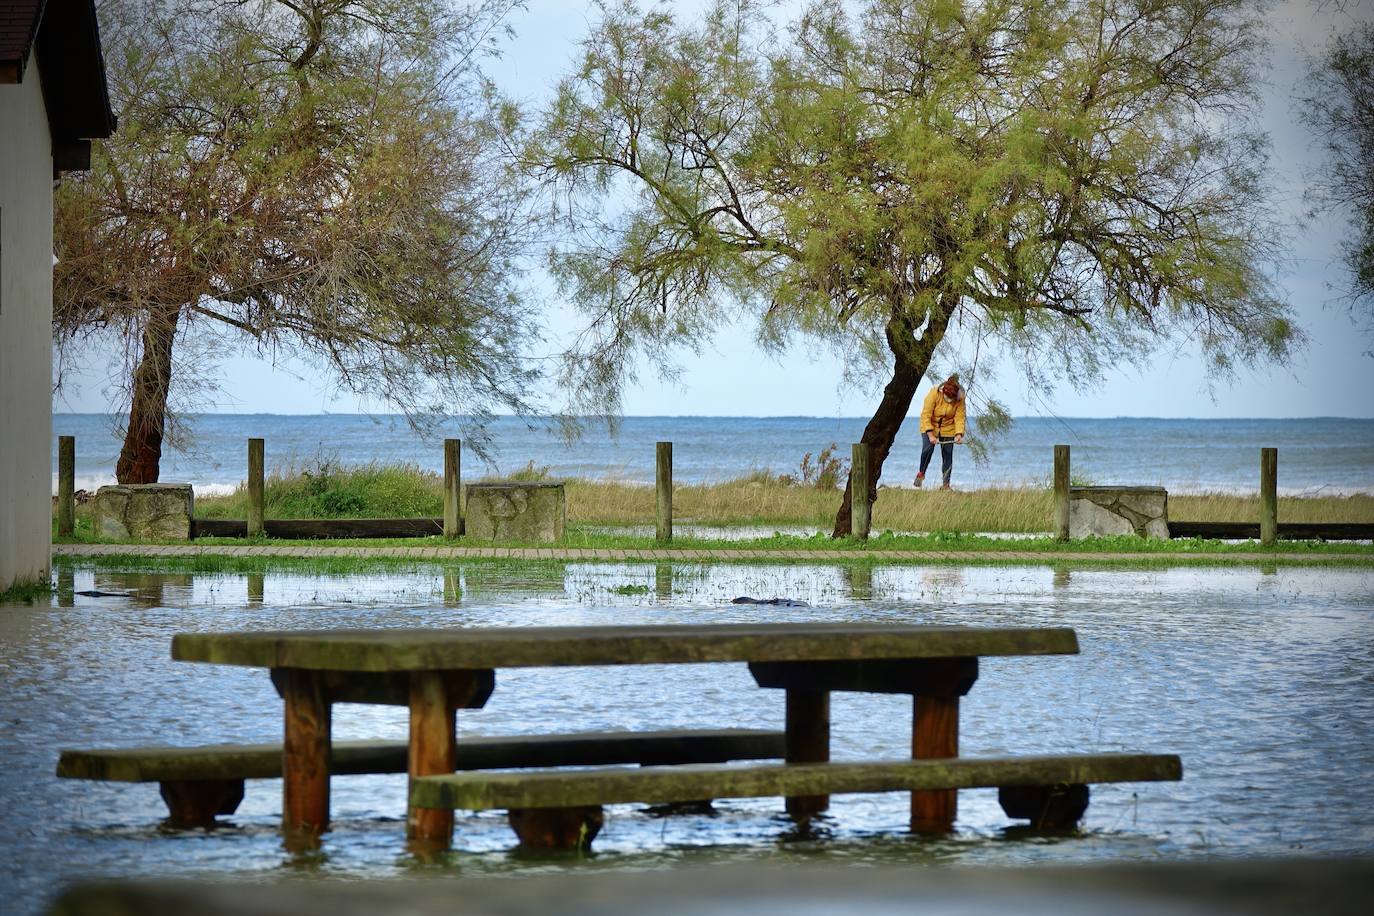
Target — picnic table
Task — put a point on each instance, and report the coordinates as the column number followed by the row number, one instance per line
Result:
column 436, row 672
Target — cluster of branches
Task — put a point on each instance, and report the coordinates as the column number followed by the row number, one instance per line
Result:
column 1076, row 178
column 315, row 178
column 1338, row 106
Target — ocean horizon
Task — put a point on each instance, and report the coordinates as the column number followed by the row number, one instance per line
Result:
column 1317, row 455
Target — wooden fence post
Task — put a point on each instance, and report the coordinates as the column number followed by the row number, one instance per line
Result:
column 66, row 484
column 1269, row 495
column 1061, row 492
column 860, row 509
column 453, row 484
column 255, row 488
column 663, row 485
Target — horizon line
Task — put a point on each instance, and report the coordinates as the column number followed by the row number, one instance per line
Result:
column 604, row 417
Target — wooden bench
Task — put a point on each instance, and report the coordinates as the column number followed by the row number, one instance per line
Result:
column 563, row 809
column 199, row 783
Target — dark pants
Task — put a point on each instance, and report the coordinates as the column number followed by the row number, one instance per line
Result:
column 946, row 455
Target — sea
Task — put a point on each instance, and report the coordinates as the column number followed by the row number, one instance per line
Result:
column 1323, row 455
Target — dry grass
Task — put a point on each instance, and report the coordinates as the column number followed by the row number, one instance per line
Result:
column 760, row 499
column 766, row 502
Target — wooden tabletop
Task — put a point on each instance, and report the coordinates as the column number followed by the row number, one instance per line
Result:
column 532, row 647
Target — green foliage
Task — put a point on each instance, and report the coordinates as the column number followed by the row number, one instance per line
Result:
column 27, row 592
column 328, row 489
column 320, row 180
column 1075, row 183
column 1338, row 108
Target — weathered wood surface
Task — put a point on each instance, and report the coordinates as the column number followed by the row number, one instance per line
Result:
column 942, row 676
column 557, row 828
column 1061, row 492
column 1288, row 531
column 392, row 688
column 1046, row 807
column 197, row 802
column 663, row 491
column 861, row 491
column 517, row 647
column 656, row 785
column 305, row 754
column 934, row 735
column 453, row 487
column 808, row 741
column 311, row 528
column 66, row 484
column 256, row 489
column 347, row 758
column 433, row 746
column 1269, row 495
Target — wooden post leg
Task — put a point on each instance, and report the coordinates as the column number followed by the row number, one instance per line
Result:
column 934, row 734
column 196, row 802
column 808, row 741
column 305, row 753
column 557, row 828
column 433, row 751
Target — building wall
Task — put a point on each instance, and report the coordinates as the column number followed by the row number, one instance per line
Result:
column 25, row 332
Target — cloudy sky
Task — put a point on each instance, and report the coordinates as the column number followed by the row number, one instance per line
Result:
column 1332, row 376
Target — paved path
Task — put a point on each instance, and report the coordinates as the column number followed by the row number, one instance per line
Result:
column 306, row 551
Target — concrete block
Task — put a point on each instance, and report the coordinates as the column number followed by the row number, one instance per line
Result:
column 145, row 512
column 516, row 511
column 1104, row 511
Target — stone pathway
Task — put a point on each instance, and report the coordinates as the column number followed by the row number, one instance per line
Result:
column 699, row 555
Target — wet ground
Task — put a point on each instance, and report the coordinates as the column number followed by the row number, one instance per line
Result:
column 1262, row 681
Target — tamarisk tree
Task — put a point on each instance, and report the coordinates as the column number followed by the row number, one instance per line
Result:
column 1338, row 107
column 1075, row 178
column 320, row 179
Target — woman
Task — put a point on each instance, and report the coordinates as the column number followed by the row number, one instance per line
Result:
column 942, row 422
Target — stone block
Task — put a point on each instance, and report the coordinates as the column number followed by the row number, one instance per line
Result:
column 145, row 512
column 516, row 511
column 1105, row 511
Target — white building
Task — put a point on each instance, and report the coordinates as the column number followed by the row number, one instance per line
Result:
column 53, row 100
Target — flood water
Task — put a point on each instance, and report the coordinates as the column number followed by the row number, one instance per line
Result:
column 1262, row 680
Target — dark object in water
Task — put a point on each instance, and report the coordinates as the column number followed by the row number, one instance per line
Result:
column 776, row 602
column 98, row 594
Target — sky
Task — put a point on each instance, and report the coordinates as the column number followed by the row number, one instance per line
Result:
column 1332, row 376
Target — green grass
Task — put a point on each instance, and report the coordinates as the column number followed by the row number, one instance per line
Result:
column 26, row 592
column 328, row 489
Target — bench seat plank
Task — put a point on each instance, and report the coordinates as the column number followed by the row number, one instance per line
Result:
column 520, row 647
column 264, row 761
column 658, row 785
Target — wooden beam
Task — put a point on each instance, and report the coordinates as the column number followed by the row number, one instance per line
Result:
column 523, row 647
column 943, row 676
column 660, row 785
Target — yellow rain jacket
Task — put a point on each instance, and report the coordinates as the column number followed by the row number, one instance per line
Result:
column 943, row 416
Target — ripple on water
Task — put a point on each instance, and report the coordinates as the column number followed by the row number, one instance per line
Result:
column 1261, row 681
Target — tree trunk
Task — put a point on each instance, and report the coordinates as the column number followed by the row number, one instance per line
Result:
column 911, row 357
column 141, row 457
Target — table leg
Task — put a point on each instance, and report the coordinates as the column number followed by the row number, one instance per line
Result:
column 934, row 733
column 433, row 750
column 305, row 752
column 808, row 741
